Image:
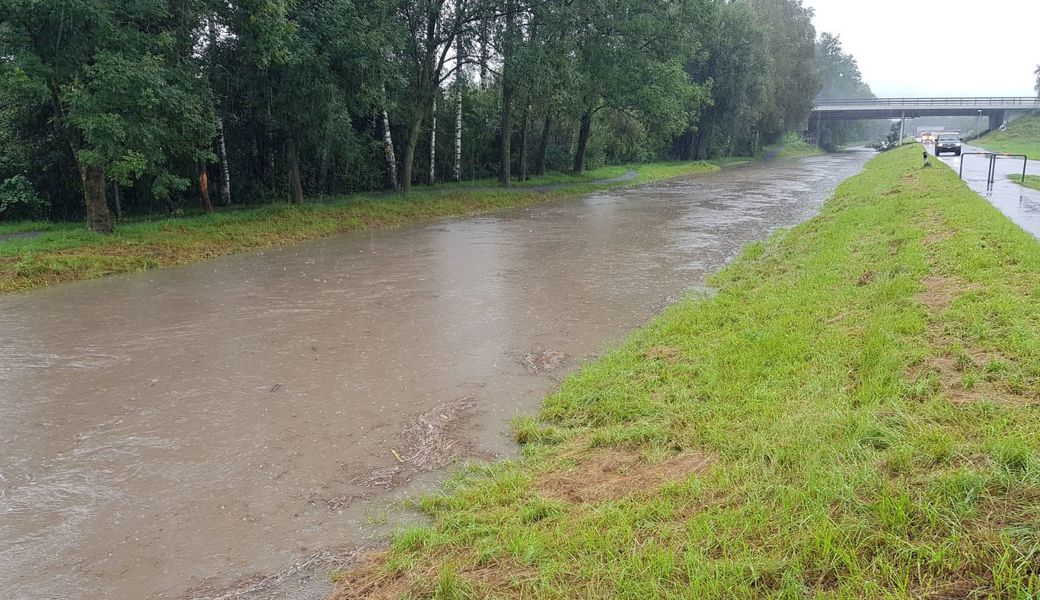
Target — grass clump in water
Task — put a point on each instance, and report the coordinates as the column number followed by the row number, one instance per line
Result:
column 805, row 432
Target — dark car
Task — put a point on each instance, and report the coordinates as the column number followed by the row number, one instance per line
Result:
column 948, row 142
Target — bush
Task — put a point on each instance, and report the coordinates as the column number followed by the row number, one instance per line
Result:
column 19, row 200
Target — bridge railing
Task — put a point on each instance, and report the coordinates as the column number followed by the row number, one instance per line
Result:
column 992, row 101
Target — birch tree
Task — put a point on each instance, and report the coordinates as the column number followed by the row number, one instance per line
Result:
column 432, row 26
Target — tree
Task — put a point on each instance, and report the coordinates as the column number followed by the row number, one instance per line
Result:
column 432, row 28
column 1037, row 86
column 840, row 78
column 629, row 57
column 120, row 89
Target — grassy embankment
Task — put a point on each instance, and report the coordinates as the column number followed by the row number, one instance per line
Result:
column 1022, row 137
column 1032, row 181
column 793, row 146
column 854, row 414
column 66, row 251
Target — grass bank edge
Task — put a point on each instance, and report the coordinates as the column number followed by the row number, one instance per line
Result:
column 862, row 390
column 66, row 252
column 1021, row 137
column 1032, row 181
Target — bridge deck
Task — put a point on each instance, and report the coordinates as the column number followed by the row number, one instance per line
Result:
column 889, row 108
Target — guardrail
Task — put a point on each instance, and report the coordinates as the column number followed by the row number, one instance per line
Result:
column 991, row 101
column 992, row 172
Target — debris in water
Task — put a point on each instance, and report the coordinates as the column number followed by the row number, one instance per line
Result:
column 276, row 387
column 543, row 361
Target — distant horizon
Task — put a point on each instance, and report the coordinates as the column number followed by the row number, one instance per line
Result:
column 989, row 52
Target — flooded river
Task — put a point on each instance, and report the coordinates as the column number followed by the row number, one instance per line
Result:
column 185, row 432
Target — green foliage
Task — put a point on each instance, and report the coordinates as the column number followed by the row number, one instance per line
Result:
column 298, row 88
column 841, row 79
column 19, row 200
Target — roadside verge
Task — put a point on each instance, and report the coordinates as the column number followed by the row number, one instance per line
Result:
column 855, row 413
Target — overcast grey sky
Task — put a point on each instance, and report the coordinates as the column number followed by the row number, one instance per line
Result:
column 990, row 48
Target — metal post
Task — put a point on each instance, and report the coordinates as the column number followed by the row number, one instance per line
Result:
column 1025, row 163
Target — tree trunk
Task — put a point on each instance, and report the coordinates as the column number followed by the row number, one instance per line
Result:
column 117, row 200
column 524, row 129
column 583, row 142
column 94, row 200
column 506, row 122
column 458, row 130
column 225, row 169
column 484, row 54
column 433, row 142
column 295, row 186
column 543, row 147
column 409, row 154
column 326, row 159
column 506, row 128
column 204, row 187
column 203, row 181
column 391, row 156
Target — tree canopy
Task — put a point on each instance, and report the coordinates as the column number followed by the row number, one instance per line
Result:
column 126, row 107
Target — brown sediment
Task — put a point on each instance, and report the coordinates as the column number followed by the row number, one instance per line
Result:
column 372, row 580
column 611, row 474
column 939, row 292
column 949, row 372
column 665, row 353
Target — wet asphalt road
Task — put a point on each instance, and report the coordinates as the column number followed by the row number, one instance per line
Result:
column 1017, row 202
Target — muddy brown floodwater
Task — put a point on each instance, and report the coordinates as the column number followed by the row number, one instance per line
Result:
column 224, row 429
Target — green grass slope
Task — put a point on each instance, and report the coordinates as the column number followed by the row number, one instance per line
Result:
column 1022, row 137
column 854, row 414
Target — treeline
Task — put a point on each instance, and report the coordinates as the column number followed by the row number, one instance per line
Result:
column 110, row 108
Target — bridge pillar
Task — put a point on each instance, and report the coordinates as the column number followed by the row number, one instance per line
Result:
column 996, row 119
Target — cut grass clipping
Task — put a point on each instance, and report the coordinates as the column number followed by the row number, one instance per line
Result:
column 853, row 415
column 38, row 254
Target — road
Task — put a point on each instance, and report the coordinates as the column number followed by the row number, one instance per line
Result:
column 1019, row 203
column 200, row 431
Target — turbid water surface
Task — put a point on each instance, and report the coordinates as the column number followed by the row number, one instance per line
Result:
column 175, row 433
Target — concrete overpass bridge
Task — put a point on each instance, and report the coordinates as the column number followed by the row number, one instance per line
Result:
column 996, row 109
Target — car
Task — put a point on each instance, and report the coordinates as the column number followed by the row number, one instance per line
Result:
column 948, row 142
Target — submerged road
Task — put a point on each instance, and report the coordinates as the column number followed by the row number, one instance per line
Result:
column 1017, row 202
column 173, row 433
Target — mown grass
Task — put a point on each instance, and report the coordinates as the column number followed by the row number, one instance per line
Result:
column 1021, row 137
column 56, row 253
column 1032, row 181
column 799, row 149
column 858, row 406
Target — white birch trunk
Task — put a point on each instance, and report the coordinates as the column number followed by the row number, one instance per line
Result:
column 391, row 157
column 433, row 143
column 225, row 170
column 458, row 131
